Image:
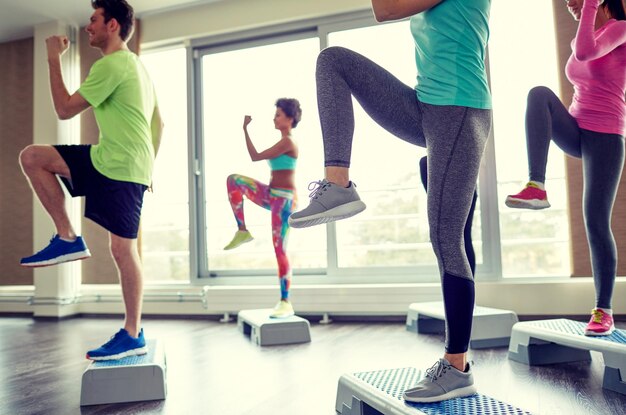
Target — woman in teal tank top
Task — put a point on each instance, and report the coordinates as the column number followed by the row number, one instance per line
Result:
column 448, row 112
column 279, row 196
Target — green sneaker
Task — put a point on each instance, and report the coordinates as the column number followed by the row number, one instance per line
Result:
column 241, row 237
column 283, row 309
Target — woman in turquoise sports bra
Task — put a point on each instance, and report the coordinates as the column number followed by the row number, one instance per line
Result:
column 279, row 196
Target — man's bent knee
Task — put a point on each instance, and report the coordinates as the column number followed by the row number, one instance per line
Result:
column 35, row 156
column 29, row 157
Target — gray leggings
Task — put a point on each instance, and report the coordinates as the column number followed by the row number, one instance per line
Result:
column 603, row 158
column 454, row 137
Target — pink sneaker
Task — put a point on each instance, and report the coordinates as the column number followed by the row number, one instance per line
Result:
column 531, row 197
column 600, row 324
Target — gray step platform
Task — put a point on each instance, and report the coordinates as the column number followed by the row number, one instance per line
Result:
column 380, row 392
column 266, row 331
column 491, row 327
column 545, row 342
column 131, row 379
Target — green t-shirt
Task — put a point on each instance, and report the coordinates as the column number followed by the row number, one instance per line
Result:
column 450, row 42
column 123, row 99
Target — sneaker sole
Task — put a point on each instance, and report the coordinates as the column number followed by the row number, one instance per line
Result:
column 456, row 393
column 135, row 352
column 596, row 334
column 228, row 248
column 58, row 260
column 533, row 204
column 282, row 315
column 340, row 212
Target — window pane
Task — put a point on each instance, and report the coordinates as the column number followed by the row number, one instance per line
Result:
column 534, row 243
column 165, row 215
column 393, row 230
column 248, row 82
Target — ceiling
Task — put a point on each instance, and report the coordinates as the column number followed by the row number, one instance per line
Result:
column 17, row 17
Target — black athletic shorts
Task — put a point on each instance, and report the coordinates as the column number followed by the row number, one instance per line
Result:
column 115, row 205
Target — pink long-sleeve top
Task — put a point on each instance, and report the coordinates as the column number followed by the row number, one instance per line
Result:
column 597, row 69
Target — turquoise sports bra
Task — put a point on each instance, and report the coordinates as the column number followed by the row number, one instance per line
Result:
column 282, row 162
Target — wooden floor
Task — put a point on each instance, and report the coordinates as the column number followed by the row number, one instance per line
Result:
column 214, row 369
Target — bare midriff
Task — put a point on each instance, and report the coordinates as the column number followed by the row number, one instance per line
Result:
column 283, row 179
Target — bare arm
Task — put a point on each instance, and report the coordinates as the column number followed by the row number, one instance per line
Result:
column 157, row 129
column 385, row 10
column 281, row 147
column 254, row 155
column 65, row 105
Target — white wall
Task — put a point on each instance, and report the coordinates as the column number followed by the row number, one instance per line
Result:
column 235, row 15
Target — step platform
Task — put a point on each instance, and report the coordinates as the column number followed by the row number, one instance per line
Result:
column 380, row 392
column 491, row 327
column 131, row 379
column 545, row 342
column 266, row 331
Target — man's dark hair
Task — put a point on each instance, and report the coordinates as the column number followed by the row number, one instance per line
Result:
column 291, row 108
column 119, row 10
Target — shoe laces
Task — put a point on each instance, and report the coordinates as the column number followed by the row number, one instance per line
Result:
column 596, row 315
column 437, row 370
column 47, row 246
column 318, row 187
column 111, row 340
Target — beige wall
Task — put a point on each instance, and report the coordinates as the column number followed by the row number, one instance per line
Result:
column 581, row 265
column 16, row 132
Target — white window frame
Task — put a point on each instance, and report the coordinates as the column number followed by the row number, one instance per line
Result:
column 490, row 269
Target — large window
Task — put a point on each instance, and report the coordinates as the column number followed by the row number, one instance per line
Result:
column 393, row 230
column 165, row 215
column 533, row 243
column 244, row 78
column 243, row 74
column 248, row 81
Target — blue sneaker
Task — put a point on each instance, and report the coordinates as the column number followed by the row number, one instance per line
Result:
column 121, row 345
column 56, row 252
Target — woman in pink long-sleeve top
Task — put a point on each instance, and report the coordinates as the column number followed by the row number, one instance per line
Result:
column 593, row 129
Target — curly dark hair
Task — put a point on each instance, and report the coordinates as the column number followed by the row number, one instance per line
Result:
column 119, row 10
column 291, row 108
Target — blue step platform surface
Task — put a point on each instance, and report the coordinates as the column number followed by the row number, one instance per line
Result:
column 131, row 379
column 545, row 342
column 266, row 331
column 380, row 392
column 491, row 327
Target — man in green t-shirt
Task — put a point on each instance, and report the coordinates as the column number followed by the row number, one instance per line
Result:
column 113, row 174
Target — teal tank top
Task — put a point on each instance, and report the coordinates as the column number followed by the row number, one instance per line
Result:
column 450, row 47
column 282, row 162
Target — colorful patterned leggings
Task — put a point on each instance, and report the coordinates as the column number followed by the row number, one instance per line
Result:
column 281, row 202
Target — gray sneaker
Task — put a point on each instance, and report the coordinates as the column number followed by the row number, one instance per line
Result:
column 329, row 202
column 442, row 381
